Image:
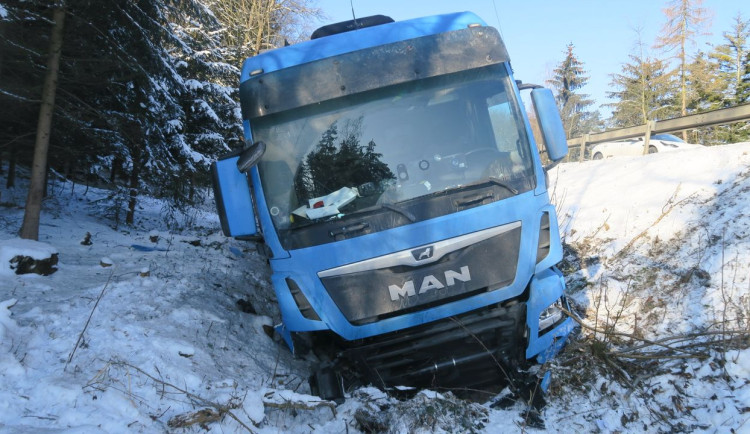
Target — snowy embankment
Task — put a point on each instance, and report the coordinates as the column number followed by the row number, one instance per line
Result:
column 658, row 263
column 141, row 331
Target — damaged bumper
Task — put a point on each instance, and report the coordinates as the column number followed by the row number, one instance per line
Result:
column 548, row 326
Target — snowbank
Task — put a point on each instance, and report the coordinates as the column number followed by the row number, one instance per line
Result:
column 13, row 247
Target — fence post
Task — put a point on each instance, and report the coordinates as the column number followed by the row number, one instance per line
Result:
column 650, row 125
column 583, row 147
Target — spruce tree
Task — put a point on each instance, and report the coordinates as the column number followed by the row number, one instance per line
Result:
column 569, row 77
column 643, row 91
column 733, row 61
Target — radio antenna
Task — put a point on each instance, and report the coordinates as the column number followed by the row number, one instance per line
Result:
column 354, row 17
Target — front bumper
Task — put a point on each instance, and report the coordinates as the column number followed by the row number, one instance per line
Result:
column 546, row 288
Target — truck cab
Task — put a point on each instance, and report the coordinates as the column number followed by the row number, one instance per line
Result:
column 397, row 189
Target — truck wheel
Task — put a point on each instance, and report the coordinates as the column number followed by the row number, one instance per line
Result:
column 652, row 149
column 598, row 156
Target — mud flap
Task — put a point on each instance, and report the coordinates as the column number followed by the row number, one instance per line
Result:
column 327, row 384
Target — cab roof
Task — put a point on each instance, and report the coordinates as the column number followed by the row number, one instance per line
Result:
column 359, row 39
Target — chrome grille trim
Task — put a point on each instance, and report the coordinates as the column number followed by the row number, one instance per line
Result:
column 405, row 257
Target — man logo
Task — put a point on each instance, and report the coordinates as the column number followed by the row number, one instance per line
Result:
column 429, row 282
column 422, row 254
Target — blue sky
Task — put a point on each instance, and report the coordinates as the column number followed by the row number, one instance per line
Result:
column 536, row 32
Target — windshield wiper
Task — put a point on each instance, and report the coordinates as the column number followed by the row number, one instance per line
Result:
column 356, row 227
column 362, row 226
column 500, row 183
column 403, row 212
column 490, row 180
column 346, row 230
column 389, row 206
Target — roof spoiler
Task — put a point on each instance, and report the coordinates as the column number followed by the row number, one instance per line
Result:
column 348, row 26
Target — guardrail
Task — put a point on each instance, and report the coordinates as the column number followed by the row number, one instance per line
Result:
column 714, row 117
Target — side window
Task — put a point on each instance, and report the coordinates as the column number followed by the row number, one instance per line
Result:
column 507, row 129
column 504, row 123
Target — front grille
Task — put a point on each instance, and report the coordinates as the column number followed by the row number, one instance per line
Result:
column 471, row 350
column 395, row 287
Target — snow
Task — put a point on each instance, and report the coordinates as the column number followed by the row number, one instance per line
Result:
column 193, row 84
column 660, row 246
column 593, row 191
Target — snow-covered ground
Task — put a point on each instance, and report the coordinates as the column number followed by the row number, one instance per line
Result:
column 141, row 330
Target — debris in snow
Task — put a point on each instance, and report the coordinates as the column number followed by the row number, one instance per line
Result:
column 201, row 418
column 288, row 400
column 141, row 248
column 22, row 256
column 87, row 239
column 246, row 306
column 153, row 236
column 106, row 262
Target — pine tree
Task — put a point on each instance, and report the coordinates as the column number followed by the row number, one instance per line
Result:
column 146, row 99
column 726, row 81
column 707, row 89
column 569, row 77
column 686, row 19
column 30, row 226
column 643, row 91
column 143, row 93
column 23, row 54
column 733, row 62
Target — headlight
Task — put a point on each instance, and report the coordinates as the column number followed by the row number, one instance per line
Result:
column 551, row 316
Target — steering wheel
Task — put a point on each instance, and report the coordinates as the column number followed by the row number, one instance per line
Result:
column 479, row 160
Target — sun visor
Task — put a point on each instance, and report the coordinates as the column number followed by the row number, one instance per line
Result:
column 371, row 68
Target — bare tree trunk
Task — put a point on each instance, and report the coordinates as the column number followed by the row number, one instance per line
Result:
column 2, row 36
column 133, row 193
column 191, row 187
column 135, row 176
column 683, row 68
column 30, row 226
column 46, row 181
column 11, row 181
column 113, row 172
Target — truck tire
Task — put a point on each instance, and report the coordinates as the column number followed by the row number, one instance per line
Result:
column 598, row 156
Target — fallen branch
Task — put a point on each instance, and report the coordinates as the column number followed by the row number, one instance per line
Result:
column 80, row 336
column 664, row 342
column 214, row 413
column 200, row 417
column 299, row 405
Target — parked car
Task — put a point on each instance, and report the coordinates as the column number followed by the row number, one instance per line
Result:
column 658, row 143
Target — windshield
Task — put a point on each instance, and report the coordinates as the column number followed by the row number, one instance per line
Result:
column 668, row 137
column 393, row 150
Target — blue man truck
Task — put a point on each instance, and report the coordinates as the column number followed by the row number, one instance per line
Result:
column 392, row 178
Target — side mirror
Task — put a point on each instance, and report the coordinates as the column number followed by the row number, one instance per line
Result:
column 550, row 123
column 250, row 156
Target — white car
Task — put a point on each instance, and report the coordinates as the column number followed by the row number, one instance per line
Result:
column 658, row 143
